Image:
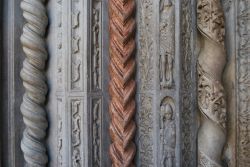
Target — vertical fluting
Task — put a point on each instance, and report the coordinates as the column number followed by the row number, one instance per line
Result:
column 34, row 81
column 122, row 83
column 211, row 97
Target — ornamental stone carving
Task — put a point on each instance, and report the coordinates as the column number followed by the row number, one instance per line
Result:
column 211, row 96
column 122, row 83
column 167, row 133
column 34, row 82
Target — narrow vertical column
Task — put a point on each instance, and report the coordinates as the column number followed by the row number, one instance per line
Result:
column 211, row 98
column 34, row 81
column 243, row 82
column 122, row 83
column 188, row 123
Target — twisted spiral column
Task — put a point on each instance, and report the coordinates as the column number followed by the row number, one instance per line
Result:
column 34, row 81
column 211, row 97
column 122, row 83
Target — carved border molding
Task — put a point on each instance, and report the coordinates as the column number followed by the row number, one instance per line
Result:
column 122, row 83
column 243, row 79
column 188, row 134
column 145, row 54
column 211, row 97
column 34, row 81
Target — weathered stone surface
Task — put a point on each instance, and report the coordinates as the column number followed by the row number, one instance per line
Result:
column 167, row 48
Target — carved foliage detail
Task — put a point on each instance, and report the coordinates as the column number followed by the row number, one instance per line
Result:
column 76, row 133
column 59, row 45
column 76, row 57
column 59, row 133
column 188, row 152
column 96, row 109
column 243, row 78
column 211, row 19
column 145, row 131
column 145, row 30
column 211, row 97
column 96, row 45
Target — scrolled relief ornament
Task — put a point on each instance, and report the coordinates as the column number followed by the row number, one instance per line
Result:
column 34, row 81
column 211, row 96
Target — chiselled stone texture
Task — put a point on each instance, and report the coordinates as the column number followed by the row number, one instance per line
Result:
column 167, row 43
column 122, row 83
column 211, row 96
column 145, row 56
column 243, row 89
column 34, row 81
column 188, row 77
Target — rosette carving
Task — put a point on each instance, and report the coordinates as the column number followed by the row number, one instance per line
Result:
column 34, row 81
column 122, row 83
column 211, row 96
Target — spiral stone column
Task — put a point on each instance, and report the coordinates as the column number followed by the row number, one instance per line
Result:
column 34, row 81
column 122, row 83
column 211, row 97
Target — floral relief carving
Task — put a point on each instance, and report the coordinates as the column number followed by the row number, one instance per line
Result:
column 211, row 95
column 243, row 89
column 76, row 133
column 76, row 42
column 145, row 50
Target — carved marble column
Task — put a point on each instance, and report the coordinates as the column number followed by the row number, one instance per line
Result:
column 122, row 83
column 34, row 81
column 211, row 96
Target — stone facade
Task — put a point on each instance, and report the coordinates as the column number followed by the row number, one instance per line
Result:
column 125, row 83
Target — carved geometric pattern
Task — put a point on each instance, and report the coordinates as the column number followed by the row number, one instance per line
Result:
column 34, row 81
column 122, row 83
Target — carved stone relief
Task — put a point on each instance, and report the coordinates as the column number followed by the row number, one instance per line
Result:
column 211, row 96
column 145, row 128
column 76, row 57
column 96, row 45
column 34, row 82
column 167, row 132
column 59, row 45
column 145, row 30
column 167, row 43
column 122, row 83
column 76, row 133
column 167, row 72
column 59, row 133
column 96, row 88
column 145, row 54
column 188, row 109
column 243, row 79
column 96, row 109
